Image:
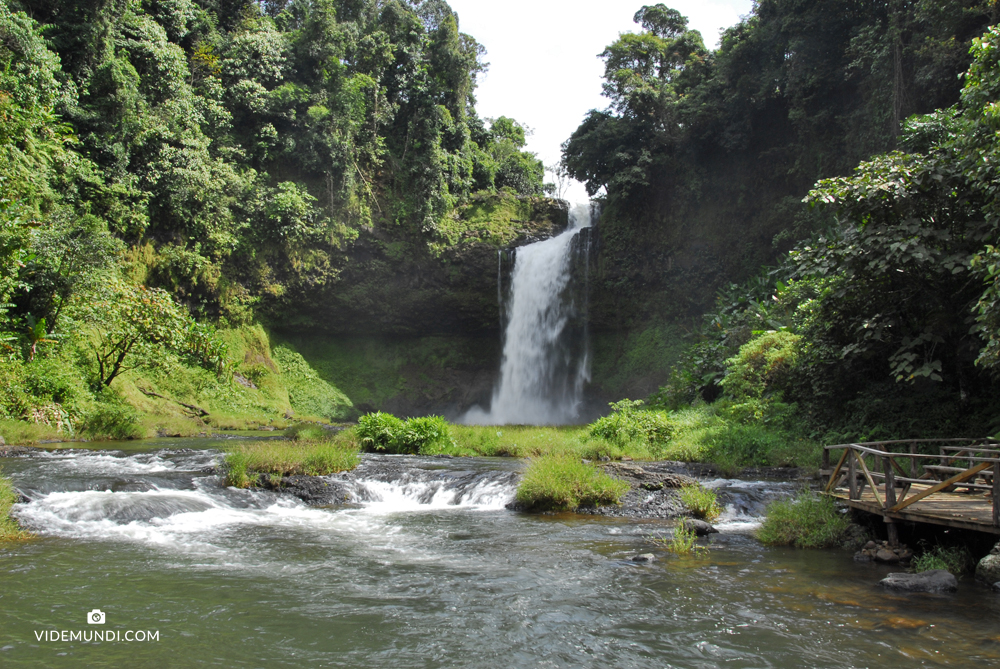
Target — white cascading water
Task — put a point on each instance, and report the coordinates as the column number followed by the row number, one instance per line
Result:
column 543, row 370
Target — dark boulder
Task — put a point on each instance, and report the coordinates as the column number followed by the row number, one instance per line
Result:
column 935, row 580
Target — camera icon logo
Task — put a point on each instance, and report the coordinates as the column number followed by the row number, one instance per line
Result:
column 96, row 617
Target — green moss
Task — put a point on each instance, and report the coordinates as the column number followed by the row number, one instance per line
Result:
column 636, row 362
column 307, row 392
column 381, row 372
column 496, row 219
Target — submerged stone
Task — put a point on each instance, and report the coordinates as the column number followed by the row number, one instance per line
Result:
column 935, row 580
column 699, row 527
column 644, row 557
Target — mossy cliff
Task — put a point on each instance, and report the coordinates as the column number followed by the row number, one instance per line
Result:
column 392, row 281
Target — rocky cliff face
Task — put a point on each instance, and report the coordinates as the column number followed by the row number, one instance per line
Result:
column 440, row 282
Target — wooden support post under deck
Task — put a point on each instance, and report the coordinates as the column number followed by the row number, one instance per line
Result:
column 890, row 501
column 852, row 476
column 996, row 493
column 892, row 530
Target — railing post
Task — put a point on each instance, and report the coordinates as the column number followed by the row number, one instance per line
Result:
column 996, row 493
column 890, row 484
column 826, row 459
column 913, row 461
column 852, row 474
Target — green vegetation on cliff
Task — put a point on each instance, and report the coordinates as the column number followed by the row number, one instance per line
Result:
column 847, row 306
column 174, row 174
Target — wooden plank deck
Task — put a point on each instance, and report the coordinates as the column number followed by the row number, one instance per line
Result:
column 970, row 511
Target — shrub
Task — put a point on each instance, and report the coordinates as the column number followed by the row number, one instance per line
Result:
column 735, row 446
column 114, row 420
column 9, row 529
column 378, row 431
column 562, row 483
column 701, row 501
column 628, row 423
column 244, row 462
column 385, row 433
column 807, row 521
column 421, row 435
column 762, row 366
column 956, row 559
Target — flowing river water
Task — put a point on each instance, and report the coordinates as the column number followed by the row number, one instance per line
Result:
column 430, row 570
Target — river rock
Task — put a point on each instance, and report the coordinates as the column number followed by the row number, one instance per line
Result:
column 988, row 569
column 935, row 580
column 886, row 555
column 996, row 587
column 645, row 557
column 700, row 527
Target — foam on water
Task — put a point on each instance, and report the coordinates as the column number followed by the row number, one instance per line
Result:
column 199, row 512
column 744, row 502
column 395, row 497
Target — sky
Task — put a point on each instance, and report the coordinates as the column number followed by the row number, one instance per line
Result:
column 544, row 70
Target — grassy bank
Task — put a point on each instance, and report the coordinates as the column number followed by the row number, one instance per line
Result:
column 55, row 396
column 706, row 433
column 9, row 529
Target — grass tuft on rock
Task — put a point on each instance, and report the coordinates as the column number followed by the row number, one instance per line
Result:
column 684, row 541
column 563, row 483
column 9, row 529
column 806, row 521
column 701, row 501
column 244, row 462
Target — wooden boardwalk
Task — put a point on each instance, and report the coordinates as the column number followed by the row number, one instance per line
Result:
column 952, row 482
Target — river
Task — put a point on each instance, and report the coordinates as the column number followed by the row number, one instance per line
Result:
column 429, row 571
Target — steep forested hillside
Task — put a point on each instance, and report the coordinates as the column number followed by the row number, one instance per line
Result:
column 172, row 166
column 703, row 157
column 859, row 306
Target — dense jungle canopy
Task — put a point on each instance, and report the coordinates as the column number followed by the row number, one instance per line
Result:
column 177, row 171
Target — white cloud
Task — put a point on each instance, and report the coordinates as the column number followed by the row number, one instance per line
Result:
column 544, row 70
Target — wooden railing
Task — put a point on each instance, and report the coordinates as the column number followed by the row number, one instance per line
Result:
column 895, row 466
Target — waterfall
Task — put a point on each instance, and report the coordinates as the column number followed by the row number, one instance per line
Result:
column 545, row 360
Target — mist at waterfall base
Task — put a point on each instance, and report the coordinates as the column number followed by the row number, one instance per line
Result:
column 423, row 566
column 546, row 356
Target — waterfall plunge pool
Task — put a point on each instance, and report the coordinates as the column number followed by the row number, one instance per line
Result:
column 428, row 570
